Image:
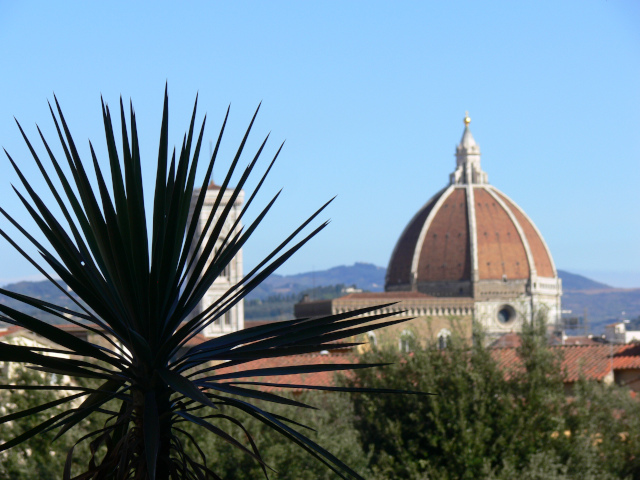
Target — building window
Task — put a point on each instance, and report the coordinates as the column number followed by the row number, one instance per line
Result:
column 373, row 341
column 443, row 338
column 506, row 314
column 226, row 272
column 406, row 341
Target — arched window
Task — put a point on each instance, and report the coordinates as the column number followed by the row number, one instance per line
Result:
column 406, row 341
column 443, row 338
column 373, row 341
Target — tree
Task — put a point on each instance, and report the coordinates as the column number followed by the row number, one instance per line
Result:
column 486, row 423
column 452, row 434
column 538, row 393
column 604, row 425
column 136, row 290
column 37, row 458
column 334, row 429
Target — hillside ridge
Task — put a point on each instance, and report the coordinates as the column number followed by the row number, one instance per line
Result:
column 602, row 302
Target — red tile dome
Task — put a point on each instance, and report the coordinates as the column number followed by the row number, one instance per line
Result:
column 466, row 233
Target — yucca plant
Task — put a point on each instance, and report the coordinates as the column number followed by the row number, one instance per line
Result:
column 136, row 291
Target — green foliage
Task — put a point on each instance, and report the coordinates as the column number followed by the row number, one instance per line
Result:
column 334, row 427
column 454, row 432
column 482, row 423
column 38, row 457
column 537, row 394
column 604, row 421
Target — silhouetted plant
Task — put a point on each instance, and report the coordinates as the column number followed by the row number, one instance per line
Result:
column 137, row 292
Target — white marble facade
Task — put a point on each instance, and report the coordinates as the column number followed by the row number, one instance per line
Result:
column 232, row 320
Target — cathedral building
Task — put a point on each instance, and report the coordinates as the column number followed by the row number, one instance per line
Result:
column 233, row 320
column 470, row 254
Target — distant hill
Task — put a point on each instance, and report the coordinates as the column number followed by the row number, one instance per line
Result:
column 602, row 303
column 363, row 275
column 571, row 281
column 371, row 277
column 43, row 290
column 278, row 293
column 603, row 306
column 280, row 307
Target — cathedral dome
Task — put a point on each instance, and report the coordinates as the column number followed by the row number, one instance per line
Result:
column 467, row 234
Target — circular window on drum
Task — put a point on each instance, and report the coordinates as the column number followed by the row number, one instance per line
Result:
column 506, row 314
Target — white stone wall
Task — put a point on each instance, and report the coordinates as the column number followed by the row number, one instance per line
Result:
column 233, row 320
column 486, row 314
column 27, row 338
column 544, row 299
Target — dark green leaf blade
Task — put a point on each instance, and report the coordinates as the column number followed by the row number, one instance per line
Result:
column 151, row 426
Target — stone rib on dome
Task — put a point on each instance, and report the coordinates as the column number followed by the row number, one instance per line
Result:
column 399, row 271
column 445, row 252
column 543, row 263
column 501, row 253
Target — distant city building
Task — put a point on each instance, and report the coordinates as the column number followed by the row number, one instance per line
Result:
column 618, row 333
column 351, row 290
column 233, row 320
column 470, row 253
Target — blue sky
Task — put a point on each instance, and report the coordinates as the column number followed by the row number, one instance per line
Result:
column 369, row 97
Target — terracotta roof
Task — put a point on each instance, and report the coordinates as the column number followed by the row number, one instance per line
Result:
column 593, row 362
column 384, row 296
column 508, row 340
column 197, row 340
column 576, row 340
column 627, row 357
column 10, row 330
column 445, row 246
column 588, row 361
column 14, row 328
column 324, row 379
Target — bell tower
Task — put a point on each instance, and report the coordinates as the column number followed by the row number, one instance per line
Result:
column 233, row 320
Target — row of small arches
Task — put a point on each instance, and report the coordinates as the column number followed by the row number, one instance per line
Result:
column 407, row 337
column 416, row 311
